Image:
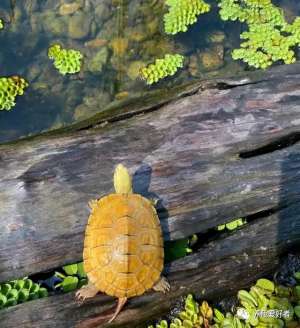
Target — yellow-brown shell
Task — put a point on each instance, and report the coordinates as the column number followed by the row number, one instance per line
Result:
column 123, row 247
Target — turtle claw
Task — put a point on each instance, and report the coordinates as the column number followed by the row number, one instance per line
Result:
column 162, row 285
column 92, row 203
column 85, row 292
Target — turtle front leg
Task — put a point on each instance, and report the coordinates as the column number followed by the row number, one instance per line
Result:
column 162, row 285
column 87, row 291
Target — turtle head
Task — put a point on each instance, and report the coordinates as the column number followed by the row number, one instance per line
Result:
column 122, row 180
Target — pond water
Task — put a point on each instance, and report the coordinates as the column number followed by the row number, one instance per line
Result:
column 116, row 38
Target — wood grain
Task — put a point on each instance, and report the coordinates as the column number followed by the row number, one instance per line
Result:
column 221, row 149
column 186, row 153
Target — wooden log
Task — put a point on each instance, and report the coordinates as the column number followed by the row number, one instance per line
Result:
column 223, row 149
column 186, row 153
column 223, row 266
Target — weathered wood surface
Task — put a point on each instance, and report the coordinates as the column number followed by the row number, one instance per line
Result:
column 186, row 153
column 222, row 266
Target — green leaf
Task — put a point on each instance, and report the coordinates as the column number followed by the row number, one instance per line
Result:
column 231, row 225
column 19, row 284
column 265, row 284
column 297, row 292
column 33, row 296
column 28, row 284
column 80, row 270
column 23, row 295
column 11, row 302
column 163, row 324
column 82, row 282
column 3, row 300
column 43, row 292
column 176, row 249
column 221, row 227
column 5, row 288
column 13, row 293
column 59, row 275
column 297, row 275
column 34, row 288
column 187, row 324
column 219, row 316
column 297, row 310
column 69, row 283
column 70, row 269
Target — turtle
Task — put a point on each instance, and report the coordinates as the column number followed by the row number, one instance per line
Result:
column 123, row 253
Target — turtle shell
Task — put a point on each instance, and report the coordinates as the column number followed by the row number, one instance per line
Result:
column 123, row 247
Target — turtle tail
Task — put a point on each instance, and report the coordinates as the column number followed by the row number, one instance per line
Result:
column 106, row 316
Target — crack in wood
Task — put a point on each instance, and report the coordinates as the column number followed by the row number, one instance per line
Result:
column 281, row 143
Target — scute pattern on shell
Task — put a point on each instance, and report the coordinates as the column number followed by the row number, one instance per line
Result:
column 123, row 248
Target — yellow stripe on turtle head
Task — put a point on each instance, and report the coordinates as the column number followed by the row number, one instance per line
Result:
column 122, row 180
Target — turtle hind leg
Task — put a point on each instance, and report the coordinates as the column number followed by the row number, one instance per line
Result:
column 162, row 285
column 87, row 291
column 104, row 317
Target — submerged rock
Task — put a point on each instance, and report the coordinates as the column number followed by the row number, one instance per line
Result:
column 212, row 58
column 134, row 67
column 95, row 43
column 56, row 25
column 96, row 63
column 119, row 46
column 79, row 25
column 216, row 37
column 121, row 95
column 92, row 105
column 68, row 8
column 102, row 13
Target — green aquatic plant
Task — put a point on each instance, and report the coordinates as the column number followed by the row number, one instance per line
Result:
column 183, row 13
column 67, row 61
column 269, row 37
column 1, row 24
column 259, row 307
column 10, row 88
column 74, row 277
column 162, row 68
column 251, row 12
column 232, row 224
column 193, row 316
column 179, row 248
column 264, row 305
column 19, row 291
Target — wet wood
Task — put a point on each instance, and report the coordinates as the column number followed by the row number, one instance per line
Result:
column 222, row 149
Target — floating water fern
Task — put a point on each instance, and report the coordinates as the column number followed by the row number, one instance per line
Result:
column 19, row 291
column 183, row 13
column 265, row 305
column 67, row 61
column 10, row 88
column 193, row 316
column 259, row 307
column 231, row 225
column 162, row 68
column 269, row 38
column 1, row 24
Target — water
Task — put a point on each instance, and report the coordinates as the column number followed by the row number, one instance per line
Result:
column 116, row 38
